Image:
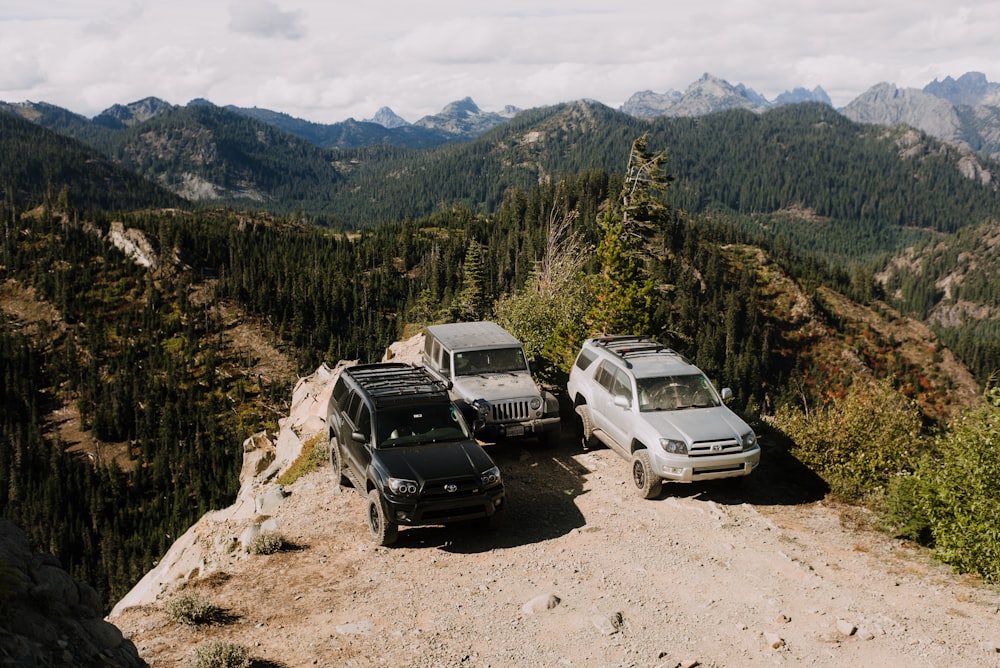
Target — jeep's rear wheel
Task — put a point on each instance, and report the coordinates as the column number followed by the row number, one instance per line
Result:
column 337, row 464
column 383, row 530
column 585, row 428
column 646, row 481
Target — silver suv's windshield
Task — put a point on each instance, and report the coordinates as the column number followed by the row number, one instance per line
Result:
column 494, row 360
column 420, row 424
column 671, row 393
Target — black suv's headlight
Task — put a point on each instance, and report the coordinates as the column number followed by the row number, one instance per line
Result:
column 748, row 440
column 490, row 477
column 403, row 487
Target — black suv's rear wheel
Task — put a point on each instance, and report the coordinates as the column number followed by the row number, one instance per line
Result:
column 646, row 481
column 337, row 464
column 383, row 530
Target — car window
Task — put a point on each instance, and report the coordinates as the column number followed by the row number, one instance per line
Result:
column 670, row 393
column 364, row 422
column 605, row 376
column 494, row 360
column 622, row 386
column 421, row 424
column 585, row 359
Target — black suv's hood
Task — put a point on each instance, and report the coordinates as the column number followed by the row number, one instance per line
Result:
column 435, row 461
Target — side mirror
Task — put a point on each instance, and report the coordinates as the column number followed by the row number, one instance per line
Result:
column 727, row 394
column 622, row 401
column 358, row 437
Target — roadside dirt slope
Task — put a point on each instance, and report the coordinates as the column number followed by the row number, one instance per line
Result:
column 765, row 573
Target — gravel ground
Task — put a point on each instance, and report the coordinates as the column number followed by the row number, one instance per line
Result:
column 582, row 572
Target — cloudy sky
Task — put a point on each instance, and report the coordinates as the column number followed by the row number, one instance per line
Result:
column 327, row 60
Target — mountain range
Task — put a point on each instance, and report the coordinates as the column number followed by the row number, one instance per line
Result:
column 964, row 112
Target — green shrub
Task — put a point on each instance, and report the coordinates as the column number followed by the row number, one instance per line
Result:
column 267, row 542
column 315, row 451
column 191, row 609
column 218, row 654
column 860, row 443
column 963, row 501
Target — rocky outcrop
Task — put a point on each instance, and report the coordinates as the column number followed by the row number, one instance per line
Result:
column 49, row 619
column 885, row 104
column 221, row 536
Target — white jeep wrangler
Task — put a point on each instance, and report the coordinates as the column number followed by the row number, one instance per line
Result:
column 488, row 376
column 658, row 411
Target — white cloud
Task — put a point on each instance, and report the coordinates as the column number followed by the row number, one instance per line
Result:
column 263, row 18
column 327, row 61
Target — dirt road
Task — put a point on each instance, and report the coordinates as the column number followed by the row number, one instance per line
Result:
column 581, row 572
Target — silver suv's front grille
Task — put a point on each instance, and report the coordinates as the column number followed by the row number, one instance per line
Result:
column 708, row 448
column 508, row 411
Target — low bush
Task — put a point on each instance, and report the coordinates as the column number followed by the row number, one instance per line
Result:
column 191, row 609
column 267, row 542
column 218, row 654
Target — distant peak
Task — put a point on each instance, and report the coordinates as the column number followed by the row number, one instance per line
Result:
column 389, row 119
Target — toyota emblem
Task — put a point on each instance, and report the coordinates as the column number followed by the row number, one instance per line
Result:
column 451, row 487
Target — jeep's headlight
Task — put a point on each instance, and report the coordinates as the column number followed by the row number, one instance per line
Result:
column 402, row 486
column 673, row 446
column 749, row 440
column 490, row 477
column 535, row 403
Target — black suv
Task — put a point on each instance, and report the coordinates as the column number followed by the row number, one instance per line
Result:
column 397, row 438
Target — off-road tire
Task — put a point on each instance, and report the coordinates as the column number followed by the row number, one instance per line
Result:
column 383, row 530
column 648, row 484
column 337, row 465
column 585, row 428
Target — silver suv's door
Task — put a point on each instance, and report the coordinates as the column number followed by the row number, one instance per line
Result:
column 613, row 399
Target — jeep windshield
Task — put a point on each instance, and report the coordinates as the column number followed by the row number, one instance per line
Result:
column 420, row 424
column 672, row 393
column 494, row 360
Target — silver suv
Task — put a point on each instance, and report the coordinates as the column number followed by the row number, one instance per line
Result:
column 488, row 376
column 659, row 411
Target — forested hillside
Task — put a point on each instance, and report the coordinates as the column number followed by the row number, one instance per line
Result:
column 140, row 354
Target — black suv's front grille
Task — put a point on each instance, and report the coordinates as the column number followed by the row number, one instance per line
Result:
column 451, row 488
column 507, row 411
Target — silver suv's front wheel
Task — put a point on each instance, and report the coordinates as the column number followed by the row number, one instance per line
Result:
column 646, row 481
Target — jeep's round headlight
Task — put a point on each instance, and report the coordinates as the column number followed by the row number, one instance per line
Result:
column 749, row 440
column 673, row 446
column 535, row 403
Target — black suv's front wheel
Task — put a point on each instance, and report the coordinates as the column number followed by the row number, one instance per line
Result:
column 337, row 464
column 383, row 530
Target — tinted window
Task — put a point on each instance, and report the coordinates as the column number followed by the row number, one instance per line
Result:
column 585, row 358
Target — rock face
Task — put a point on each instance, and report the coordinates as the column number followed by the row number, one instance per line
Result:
column 218, row 536
column 49, row 619
column 885, row 104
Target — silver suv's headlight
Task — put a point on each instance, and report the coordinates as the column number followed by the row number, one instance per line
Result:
column 535, row 403
column 673, row 446
column 403, row 487
column 490, row 477
column 749, row 440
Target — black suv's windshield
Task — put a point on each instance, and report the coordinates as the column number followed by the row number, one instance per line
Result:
column 671, row 393
column 419, row 424
column 494, row 360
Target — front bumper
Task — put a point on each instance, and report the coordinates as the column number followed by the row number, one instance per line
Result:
column 444, row 509
column 680, row 468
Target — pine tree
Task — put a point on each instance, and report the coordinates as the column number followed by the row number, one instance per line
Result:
column 471, row 303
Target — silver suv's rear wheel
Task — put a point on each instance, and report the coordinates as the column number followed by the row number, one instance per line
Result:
column 646, row 481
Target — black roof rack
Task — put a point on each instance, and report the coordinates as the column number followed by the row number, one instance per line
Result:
column 633, row 345
column 395, row 379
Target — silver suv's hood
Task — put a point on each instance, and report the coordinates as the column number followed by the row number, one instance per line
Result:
column 697, row 424
column 495, row 386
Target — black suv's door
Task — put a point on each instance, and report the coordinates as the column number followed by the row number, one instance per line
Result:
column 357, row 423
